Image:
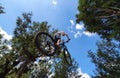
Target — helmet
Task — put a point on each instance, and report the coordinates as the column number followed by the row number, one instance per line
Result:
column 62, row 32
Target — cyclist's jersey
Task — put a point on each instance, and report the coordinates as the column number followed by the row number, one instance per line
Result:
column 57, row 36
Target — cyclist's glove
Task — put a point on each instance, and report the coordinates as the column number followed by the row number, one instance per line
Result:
column 68, row 40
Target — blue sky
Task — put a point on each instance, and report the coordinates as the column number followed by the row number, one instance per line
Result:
column 60, row 14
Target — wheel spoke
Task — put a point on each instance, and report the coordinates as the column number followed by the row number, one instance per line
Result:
column 45, row 43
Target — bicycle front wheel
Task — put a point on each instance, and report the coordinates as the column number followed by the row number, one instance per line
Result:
column 67, row 57
column 45, row 43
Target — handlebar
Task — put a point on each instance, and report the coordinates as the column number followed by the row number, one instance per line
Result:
column 68, row 39
column 63, row 42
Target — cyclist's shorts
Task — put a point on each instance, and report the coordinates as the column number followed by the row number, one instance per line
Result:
column 56, row 39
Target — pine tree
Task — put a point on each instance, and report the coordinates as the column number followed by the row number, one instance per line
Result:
column 23, row 41
column 106, row 59
column 63, row 70
column 100, row 16
column 7, row 59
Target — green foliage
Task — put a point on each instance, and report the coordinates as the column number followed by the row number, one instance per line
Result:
column 107, row 59
column 63, row 70
column 6, row 55
column 40, row 70
column 7, row 61
column 55, row 67
column 24, row 33
column 23, row 40
column 101, row 16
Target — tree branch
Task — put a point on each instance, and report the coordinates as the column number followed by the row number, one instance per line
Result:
column 22, row 68
column 115, row 8
column 108, row 16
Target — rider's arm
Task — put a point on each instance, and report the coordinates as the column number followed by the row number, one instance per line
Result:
column 67, row 37
column 58, row 42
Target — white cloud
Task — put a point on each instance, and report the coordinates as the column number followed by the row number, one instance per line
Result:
column 72, row 22
column 77, row 34
column 5, row 34
column 79, row 26
column 83, row 75
column 87, row 33
column 78, row 30
column 54, row 2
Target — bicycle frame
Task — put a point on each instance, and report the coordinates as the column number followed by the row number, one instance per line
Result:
column 66, row 53
column 63, row 46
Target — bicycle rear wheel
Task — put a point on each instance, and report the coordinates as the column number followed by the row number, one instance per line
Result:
column 67, row 57
column 45, row 43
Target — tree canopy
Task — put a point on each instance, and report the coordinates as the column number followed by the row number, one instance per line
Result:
column 103, row 18
column 6, row 57
column 100, row 16
column 106, row 59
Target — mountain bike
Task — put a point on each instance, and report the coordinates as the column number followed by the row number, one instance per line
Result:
column 45, row 43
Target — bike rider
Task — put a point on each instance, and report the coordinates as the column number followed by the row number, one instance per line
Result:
column 57, row 37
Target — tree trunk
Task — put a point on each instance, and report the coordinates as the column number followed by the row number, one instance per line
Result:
column 22, row 68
